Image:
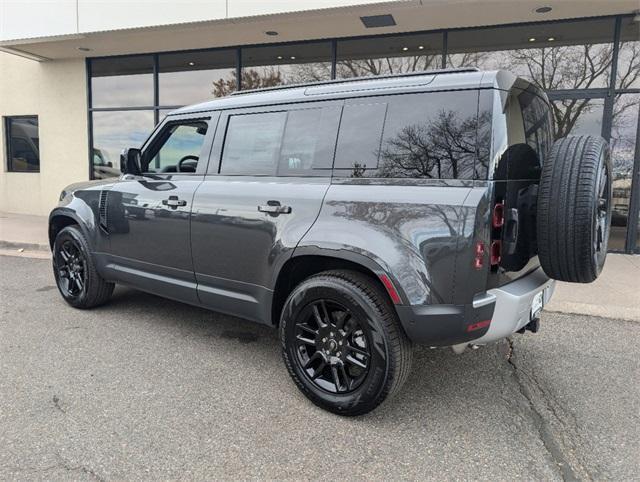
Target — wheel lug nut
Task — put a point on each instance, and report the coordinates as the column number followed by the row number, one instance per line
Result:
column 338, row 354
column 324, row 340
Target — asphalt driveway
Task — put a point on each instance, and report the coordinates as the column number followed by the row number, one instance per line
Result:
column 146, row 388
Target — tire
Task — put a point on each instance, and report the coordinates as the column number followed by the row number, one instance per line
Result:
column 362, row 321
column 574, row 209
column 72, row 261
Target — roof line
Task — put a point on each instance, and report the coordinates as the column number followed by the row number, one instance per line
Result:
column 357, row 79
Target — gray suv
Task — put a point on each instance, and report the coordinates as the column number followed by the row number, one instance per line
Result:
column 357, row 217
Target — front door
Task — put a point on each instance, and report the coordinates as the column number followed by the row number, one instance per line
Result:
column 269, row 171
column 147, row 216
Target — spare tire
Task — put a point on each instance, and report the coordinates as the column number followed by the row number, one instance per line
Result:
column 574, row 209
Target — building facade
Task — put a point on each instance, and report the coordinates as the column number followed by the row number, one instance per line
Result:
column 82, row 79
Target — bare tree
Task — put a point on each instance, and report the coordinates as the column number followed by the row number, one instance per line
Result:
column 564, row 67
column 251, row 79
column 386, row 65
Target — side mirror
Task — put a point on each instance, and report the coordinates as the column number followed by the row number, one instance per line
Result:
column 130, row 161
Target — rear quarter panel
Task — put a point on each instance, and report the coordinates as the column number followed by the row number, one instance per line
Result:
column 414, row 234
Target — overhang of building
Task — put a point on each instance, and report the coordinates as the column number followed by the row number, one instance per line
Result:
column 90, row 28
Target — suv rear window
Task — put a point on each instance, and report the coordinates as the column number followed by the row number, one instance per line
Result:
column 427, row 136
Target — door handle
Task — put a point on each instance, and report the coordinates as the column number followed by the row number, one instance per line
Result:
column 274, row 208
column 173, row 202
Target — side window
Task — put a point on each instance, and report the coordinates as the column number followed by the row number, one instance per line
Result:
column 309, row 141
column 177, row 149
column 538, row 126
column 425, row 136
column 252, row 144
column 358, row 148
column 295, row 143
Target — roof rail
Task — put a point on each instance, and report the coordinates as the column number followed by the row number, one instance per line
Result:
column 358, row 79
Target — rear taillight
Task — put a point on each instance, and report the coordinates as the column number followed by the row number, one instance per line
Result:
column 497, row 220
column 496, row 250
column 479, row 259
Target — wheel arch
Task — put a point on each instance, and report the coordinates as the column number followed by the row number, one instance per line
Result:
column 309, row 261
column 60, row 218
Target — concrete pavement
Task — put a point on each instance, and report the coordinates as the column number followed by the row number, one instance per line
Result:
column 147, row 388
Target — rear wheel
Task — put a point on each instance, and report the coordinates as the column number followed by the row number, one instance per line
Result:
column 342, row 342
column 574, row 209
column 76, row 277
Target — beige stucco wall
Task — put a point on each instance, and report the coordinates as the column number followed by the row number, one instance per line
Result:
column 56, row 92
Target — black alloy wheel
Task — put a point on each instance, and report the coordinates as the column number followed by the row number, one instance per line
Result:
column 342, row 342
column 331, row 346
column 71, row 267
column 75, row 273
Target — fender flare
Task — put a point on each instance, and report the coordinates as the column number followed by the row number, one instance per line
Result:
column 66, row 212
column 375, row 266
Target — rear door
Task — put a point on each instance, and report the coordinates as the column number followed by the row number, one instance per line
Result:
column 269, row 171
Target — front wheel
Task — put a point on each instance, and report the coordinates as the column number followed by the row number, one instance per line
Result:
column 342, row 342
column 76, row 277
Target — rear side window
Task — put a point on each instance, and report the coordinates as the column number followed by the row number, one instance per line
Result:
column 252, row 143
column 300, row 142
column 309, row 142
column 358, row 148
column 424, row 136
column 538, row 126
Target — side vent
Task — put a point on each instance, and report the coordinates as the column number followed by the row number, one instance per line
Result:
column 102, row 211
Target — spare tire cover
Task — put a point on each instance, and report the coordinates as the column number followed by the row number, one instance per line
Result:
column 574, row 209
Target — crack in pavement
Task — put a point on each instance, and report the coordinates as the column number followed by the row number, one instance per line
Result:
column 62, row 464
column 82, row 468
column 553, row 445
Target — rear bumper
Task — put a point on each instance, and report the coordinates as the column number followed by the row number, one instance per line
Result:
column 444, row 325
column 508, row 308
column 513, row 304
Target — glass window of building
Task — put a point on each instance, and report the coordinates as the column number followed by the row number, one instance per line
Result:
column 577, row 117
column 555, row 56
column 628, row 75
column 285, row 64
column 389, row 55
column 623, row 149
column 114, row 131
column 22, row 143
column 122, row 81
column 192, row 77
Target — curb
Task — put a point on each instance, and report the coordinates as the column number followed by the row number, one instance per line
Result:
column 25, row 246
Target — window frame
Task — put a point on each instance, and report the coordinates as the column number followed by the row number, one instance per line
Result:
column 217, row 152
column 7, row 121
column 158, row 137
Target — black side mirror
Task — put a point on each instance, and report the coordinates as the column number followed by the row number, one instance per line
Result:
column 130, row 161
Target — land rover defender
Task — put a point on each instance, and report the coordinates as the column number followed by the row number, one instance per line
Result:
column 357, row 217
